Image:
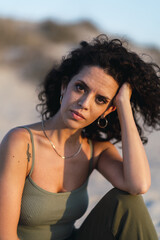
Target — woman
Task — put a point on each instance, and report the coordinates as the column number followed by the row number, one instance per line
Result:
column 95, row 96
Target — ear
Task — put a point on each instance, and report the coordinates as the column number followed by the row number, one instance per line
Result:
column 109, row 110
column 63, row 88
column 64, row 85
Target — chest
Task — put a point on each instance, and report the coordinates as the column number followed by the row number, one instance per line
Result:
column 46, row 215
column 55, row 174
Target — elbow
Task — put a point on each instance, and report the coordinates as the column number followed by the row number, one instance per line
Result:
column 144, row 189
column 140, row 189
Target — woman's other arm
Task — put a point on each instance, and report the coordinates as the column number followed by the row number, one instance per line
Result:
column 132, row 173
column 13, row 170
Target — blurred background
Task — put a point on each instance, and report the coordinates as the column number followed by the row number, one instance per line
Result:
column 36, row 34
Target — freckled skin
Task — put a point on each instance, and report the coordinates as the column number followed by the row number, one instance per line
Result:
column 98, row 83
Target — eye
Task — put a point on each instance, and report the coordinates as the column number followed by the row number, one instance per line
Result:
column 101, row 100
column 80, row 87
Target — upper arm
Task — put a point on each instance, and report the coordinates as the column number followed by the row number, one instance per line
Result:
column 13, row 169
column 110, row 165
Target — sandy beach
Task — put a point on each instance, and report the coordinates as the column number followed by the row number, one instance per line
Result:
column 17, row 107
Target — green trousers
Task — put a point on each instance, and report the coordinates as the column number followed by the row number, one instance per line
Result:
column 117, row 216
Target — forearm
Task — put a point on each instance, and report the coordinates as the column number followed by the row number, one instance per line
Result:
column 13, row 238
column 135, row 164
column 9, row 238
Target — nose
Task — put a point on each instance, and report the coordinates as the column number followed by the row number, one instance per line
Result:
column 84, row 102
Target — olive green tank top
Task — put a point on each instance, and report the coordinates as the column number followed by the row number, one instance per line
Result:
column 50, row 216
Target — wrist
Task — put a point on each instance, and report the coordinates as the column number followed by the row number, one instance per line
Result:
column 123, row 103
column 124, row 111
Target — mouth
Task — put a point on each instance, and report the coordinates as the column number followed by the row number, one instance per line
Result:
column 79, row 115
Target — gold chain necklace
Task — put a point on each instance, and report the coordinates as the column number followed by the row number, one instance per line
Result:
column 53, row 146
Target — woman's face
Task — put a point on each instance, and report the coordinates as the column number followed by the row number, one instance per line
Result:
column 88, row 95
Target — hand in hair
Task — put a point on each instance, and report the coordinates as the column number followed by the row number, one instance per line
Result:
column 123, row 95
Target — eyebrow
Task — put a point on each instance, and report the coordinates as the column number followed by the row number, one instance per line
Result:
column 86, row 86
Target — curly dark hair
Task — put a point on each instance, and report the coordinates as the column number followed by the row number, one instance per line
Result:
column 124, row 66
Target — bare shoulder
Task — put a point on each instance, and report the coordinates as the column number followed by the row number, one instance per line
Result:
column 13, row 172
column 13, row 148
column 17, row 132
column 100, row 147
column 15, row 138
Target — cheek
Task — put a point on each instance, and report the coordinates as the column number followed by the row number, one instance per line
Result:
column 97, row 112
column 72, row 95
column 69, row 98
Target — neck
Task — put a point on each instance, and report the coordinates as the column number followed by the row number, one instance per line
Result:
column 59, row 133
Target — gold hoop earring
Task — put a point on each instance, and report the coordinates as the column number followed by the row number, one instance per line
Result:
column 60, row 100
column 102, row 122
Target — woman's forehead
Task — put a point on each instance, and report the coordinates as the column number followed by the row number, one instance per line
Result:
column 94, row 72
column 96, row 79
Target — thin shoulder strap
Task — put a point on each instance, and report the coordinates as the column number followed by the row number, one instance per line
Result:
column 91, row 158
column 33, row 150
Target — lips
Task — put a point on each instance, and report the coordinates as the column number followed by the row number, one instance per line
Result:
column 78, row 114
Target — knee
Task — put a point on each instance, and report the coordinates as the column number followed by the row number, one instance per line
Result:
column 125, row 200
column 118, row 202
column 129, row 212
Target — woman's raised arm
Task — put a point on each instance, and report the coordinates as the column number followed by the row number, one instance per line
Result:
column 130, row 173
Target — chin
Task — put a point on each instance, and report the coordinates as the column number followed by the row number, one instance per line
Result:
column 71, row 124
